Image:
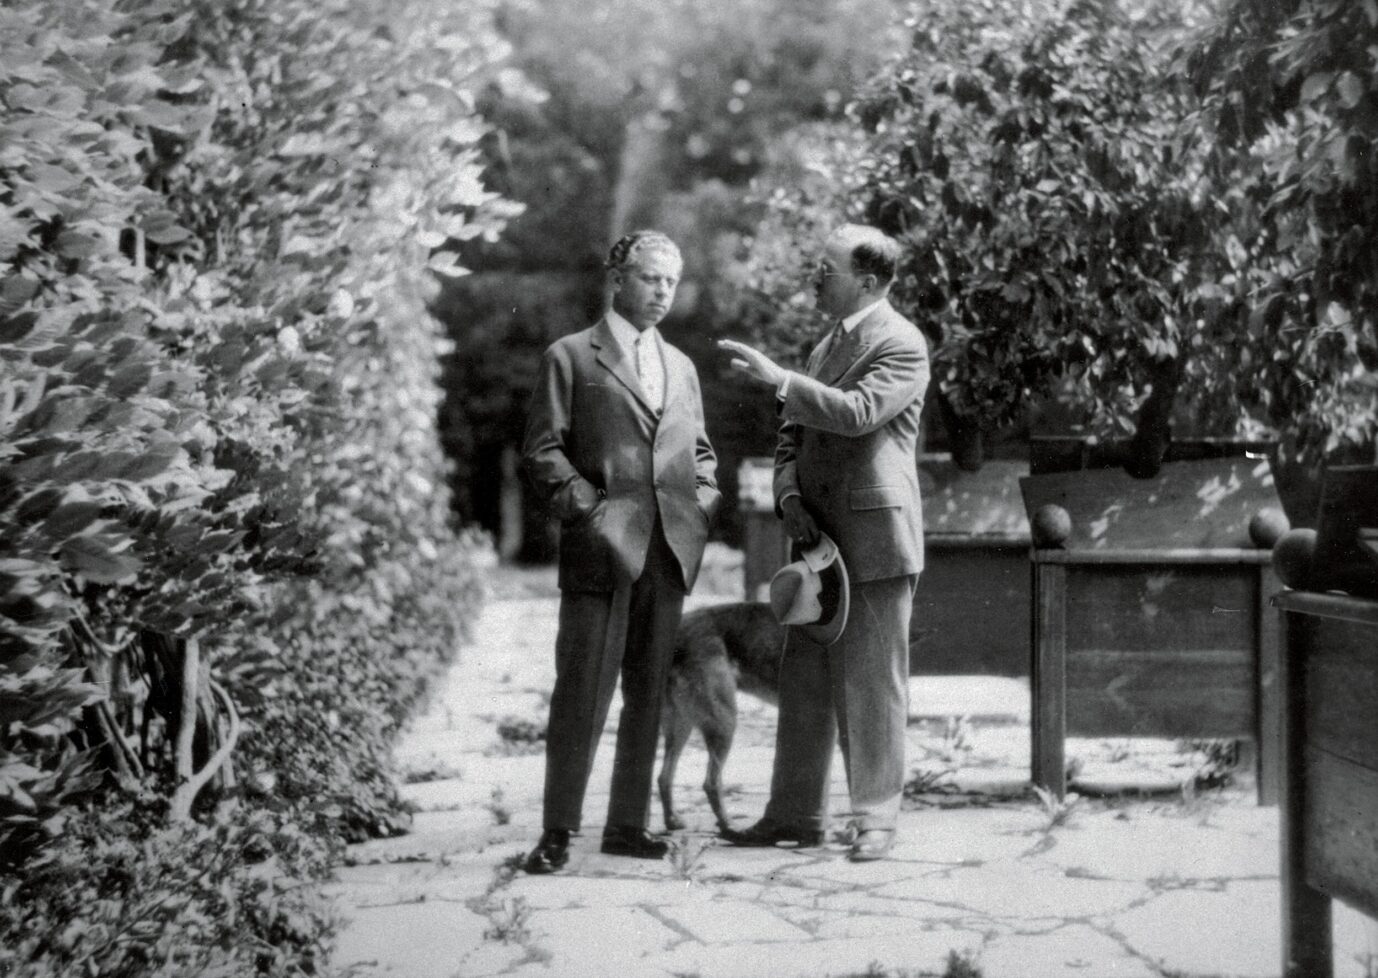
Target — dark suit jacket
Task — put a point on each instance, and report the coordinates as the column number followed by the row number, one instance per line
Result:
column 595, row 451
column 848, row 444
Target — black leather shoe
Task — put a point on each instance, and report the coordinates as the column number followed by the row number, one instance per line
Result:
column 768, row 833
column 550, row 853
column 627, row 840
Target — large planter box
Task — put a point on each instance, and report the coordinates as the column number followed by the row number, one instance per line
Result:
column 1149, row 618
column 1329, row 790
column 971, row 608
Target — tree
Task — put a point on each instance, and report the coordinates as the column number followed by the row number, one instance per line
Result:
column 1078, row 236
column 1291, row 95
column 641, row 114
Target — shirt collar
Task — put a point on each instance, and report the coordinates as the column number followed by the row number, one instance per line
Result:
column 849, row 323
column 625, row 333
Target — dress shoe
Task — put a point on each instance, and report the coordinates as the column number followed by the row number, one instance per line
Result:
column 767, row 833
column 871, row 844
column 628, row 840
column 550, row 853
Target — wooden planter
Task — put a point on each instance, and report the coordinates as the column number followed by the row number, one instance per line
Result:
column 1149, row 614
column 971, row 608
column 1329, row 789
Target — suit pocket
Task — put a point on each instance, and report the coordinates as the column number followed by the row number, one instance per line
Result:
column 877, row 497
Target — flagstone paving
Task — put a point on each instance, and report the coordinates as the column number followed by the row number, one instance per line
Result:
column 985, row 879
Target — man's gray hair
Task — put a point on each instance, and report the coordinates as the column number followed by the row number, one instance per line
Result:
column 629, row 246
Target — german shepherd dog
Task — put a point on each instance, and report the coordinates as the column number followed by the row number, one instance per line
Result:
column 718, row 650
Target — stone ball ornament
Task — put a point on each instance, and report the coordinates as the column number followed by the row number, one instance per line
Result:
column 1268, row 527
column 1293, row 556
column 1051, row 526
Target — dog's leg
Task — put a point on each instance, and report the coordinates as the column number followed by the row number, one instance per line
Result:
column 677, row 727
column 718, row 738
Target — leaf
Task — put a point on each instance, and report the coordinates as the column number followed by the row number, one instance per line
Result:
column 15, row 328
column 98, row 560
column 157, row 114
column 71, row 518
column 447, row 263
column 16, row 290
column 1315, row 85
column 14, row 233
column 52, row 180
column 77, row 244
column 1351, row 90
column 129, row 380
column 161, row 227
column 149, row 464
column 307, row 144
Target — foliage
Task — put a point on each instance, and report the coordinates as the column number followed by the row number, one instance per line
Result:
column 1076, row 236
column 1291, row 97
column 1058, row 218
column 217, row 432
column 648, row 114
column 120, row 895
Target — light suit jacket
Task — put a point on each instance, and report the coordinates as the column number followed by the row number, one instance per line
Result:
column 595, row 450
column 848, row 444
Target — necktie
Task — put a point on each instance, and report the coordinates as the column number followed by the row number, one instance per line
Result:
column 835, row 337
column 650, row 370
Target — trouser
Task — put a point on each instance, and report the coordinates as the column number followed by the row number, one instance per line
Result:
column 856, row 693
column 632, row 631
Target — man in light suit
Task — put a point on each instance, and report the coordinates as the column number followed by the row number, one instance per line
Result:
column 845, row 464
column 615, row 442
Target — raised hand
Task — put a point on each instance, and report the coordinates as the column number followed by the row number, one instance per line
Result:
column 753, row 363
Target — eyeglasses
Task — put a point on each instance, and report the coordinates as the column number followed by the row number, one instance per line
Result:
column 822, row 271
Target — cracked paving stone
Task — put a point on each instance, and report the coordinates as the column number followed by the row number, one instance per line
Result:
column 1072, row 951
column 385, row 883
column 1198, row 932
column 1122, row 887
column 856, row 903
column 414, row 940
column 1145, row 847
column 916, row 950
column 1018, row 892
column 433, row 834
column 729, row 921
column 608, row 936
column 872, row 923
column 568, row 892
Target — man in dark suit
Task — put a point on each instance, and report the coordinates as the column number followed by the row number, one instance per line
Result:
column 615, row 442
column 845, row 464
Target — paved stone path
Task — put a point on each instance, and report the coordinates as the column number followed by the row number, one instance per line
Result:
column 986, row 880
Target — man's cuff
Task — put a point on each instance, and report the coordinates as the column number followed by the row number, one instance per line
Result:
column 786, row 495
column 782, row 391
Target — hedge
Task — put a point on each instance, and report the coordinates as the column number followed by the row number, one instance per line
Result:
column 226, row 571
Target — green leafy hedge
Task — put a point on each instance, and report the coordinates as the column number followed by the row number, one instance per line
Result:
column 224, row 549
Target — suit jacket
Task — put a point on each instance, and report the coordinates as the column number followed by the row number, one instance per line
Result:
column 596, row 452
column 848, row 444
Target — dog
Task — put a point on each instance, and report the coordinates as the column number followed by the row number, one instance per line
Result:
column 718, row 650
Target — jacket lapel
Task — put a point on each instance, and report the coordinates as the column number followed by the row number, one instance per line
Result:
column 610, row 356
column 852, row 347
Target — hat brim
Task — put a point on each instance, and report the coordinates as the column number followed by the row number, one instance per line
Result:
column 836, row 599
